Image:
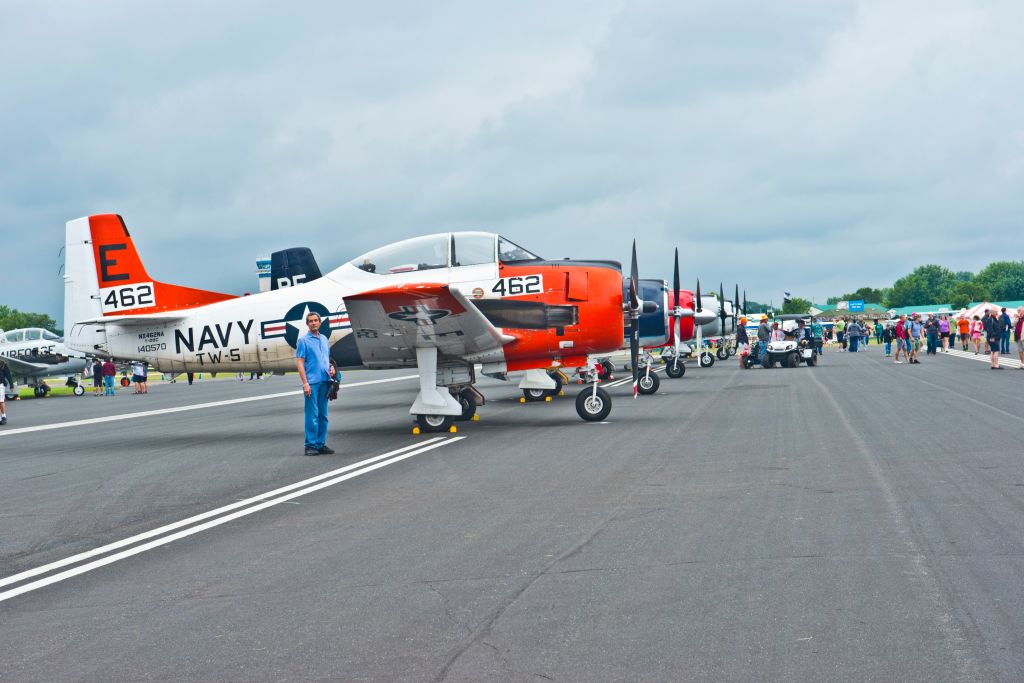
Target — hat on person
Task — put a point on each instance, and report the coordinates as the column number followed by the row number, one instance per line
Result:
column 743, row 319
column 764, row 317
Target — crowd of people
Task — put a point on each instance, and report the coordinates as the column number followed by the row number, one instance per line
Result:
column 990, row 333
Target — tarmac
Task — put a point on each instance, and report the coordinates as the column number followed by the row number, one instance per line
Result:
column 856, row 521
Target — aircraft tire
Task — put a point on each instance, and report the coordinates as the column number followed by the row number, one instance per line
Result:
column 558, row 385
column 434, row 423
column 591, row 408
column 730, row 351
column 722, row 353
column 675, row 371
column 534, row 395
column 648, row 384
column 707, row 359
column 468, row 402
column 78, row 390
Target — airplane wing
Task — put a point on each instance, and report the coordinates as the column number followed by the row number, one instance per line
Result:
column 390, row 323
column 147, row 319
column 23, row 368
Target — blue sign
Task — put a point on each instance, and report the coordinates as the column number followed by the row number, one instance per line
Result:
column 857, row 306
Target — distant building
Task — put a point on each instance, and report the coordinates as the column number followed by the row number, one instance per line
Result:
column 263, row 271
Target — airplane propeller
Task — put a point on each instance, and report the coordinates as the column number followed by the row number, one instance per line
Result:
column 721, row 307
column 677, row 313
column 634, row 322
column 736, row 310
column 699, row 328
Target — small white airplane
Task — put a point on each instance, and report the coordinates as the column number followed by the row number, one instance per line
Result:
column 33, row 354
column 440, row 303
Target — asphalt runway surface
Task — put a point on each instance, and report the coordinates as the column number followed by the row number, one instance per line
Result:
column 856, row 521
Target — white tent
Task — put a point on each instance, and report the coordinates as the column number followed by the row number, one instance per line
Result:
column 978, row 309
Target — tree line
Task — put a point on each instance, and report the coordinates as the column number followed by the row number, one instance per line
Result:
column 13, row 319
column 933, row 284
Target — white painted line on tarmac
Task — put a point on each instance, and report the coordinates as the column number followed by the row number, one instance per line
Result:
column 345, row 473
column 628, row 380
column 179, row 409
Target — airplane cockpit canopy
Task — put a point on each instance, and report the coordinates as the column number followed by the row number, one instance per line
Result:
column 442, row 251
column 28, row 334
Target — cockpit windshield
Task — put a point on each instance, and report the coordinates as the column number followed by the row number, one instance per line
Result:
column 509, row 251
column 419, row 253
column 50, row 336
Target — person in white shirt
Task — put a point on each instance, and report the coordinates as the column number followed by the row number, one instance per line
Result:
column 139, row 377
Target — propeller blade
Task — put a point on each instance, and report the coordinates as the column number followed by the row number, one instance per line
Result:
column 700, row 308
column 634, row 356
column 633, row 274
column 721, row 306
column 744, row 302
column 676, row 326
column 736, row 310
column 634, row 335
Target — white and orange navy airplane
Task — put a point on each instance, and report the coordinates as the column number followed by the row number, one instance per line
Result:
column 441, row 303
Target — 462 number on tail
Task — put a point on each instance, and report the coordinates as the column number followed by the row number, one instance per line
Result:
column 127, row 297
column 518, row 285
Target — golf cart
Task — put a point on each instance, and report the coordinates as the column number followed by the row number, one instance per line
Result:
column 791, row 351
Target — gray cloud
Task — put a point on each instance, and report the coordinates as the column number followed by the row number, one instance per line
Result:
column 808, row 146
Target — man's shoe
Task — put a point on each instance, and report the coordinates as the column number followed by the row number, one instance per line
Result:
column 312, row 451
column 324, row 450
column 3, row 420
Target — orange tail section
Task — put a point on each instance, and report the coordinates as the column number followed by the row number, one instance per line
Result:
column 125, row 286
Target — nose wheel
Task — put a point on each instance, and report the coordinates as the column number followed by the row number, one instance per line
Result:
column 593, row 406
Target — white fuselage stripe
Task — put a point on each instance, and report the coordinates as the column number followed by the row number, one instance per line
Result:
column 179, row 409
column 323, row 481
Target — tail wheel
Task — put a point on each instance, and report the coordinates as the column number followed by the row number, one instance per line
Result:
column 532, row 395
column 558, row 384
column 434, row 423
column 648, row 384
column 468, row 402
column 792, row 360
column 707, row 359
column 675, row 370
column 593, row 407
column 722, row 353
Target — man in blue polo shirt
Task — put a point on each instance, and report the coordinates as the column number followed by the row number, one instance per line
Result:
column 313, row 358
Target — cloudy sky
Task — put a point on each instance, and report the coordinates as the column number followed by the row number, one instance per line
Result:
column 809, row 145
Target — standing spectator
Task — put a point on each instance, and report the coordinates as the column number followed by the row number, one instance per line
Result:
column 901, row 339
column 977, row 328
column 994, row 336
column 865, row 332
column 840, row 328
column 963, row 327
column 916, row 335
column 944, row 331
column 138, row 370
column 931, row 330
column 6, row 387
column 1018, row 332
column 853, row 331
column 777, row 332
column 879, row 332
column 97, row 377
column 742, row 341
column 886, row 338
column 312, row 357
column 818, row 333
column 1004, row 347
column 109, row 372
column 764, row 333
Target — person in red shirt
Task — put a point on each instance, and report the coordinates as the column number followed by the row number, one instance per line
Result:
column 1018, row 335
column 901, row 340
column 109, row 371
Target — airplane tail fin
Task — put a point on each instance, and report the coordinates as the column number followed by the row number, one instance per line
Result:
column 104, row 276
column 290, row 267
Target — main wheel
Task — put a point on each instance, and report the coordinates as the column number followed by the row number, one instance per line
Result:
column 793, row 360
column 609, row 370
column 722, row 353
column 675, row 370
column 730, row 351
column 648, row 383
column 591, row 407
column 558, row 384
column 434, row 423
column 533, row 395
column 468, row 401
column 707, row 359
column 78, row 390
